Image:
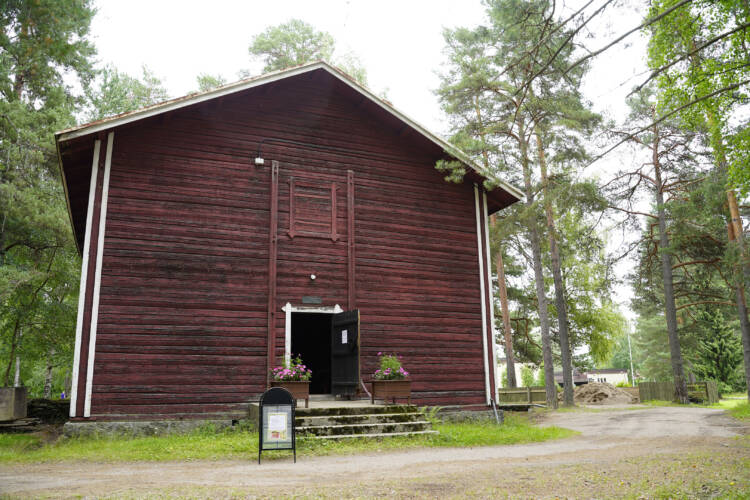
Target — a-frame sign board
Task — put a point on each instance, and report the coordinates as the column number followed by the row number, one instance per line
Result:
column 276, row 425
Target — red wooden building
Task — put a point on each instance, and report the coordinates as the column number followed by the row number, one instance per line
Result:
column 204, row 266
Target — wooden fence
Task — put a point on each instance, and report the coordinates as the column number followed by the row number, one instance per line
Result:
column 664, row 391
column 633, row 391
column 527, row 395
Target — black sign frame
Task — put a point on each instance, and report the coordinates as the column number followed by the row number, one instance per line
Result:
column 280, row 406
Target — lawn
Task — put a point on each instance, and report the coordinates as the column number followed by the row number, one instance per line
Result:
column 740, row 410
column 207, row 444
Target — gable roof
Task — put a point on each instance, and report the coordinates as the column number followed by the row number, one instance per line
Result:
column 194, row 98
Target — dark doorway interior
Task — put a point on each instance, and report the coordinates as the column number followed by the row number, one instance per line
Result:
column 311, row 340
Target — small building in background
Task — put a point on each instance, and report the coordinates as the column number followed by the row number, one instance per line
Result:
column 579, row 378
column 612, row 376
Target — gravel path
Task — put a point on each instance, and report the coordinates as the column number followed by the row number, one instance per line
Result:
column 607, row 437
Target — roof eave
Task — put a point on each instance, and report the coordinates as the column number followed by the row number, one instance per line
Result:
column 67, row 195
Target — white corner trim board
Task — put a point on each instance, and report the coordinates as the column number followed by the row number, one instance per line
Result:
column 98, row 275
column 289, row 309
column 482, row 296
column 84, row 275
column 491, row 333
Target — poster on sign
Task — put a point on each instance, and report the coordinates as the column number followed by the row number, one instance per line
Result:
column 277, row 430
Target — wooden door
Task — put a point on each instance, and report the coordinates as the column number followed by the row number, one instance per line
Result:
column 345, row 353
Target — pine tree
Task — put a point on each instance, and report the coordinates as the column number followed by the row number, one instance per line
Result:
column 719, row 350
column 43, row 43
column 513, row 110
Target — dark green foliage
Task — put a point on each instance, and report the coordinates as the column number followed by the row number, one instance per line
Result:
column 719, row 351
column 42, row 43
column 115, row 92
column 208, row 82
column 296, row 42
column 291, row 44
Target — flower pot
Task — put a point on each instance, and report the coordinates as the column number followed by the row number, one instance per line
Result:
column 12, row 403
column 300, row 389
column 391, row 389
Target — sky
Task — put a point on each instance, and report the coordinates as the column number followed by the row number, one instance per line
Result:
column 399, row 42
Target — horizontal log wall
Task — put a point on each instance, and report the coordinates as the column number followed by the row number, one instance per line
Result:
column 184, row 292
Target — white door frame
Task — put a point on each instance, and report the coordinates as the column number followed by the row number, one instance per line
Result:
column 289, row 309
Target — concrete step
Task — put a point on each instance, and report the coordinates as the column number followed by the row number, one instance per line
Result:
column 379, row 428
column 372, row 418
column 375, row 436
column 355, row 410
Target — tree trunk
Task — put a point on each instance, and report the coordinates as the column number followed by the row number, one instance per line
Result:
column 12, row 355
column 562, row 307
column 666, row 266
column 17, row 378
column 736, row 234
column 503, row 291
column 501, row 284
column 549, row 373
column 48, row 374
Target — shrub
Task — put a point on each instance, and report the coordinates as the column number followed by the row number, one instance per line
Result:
column 527, row 376
column 540, row 380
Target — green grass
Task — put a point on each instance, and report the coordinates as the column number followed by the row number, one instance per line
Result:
column 207, row 444
column 725, row 404
column 741, row 410
column 736, row 395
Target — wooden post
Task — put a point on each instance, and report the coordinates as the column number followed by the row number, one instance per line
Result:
column 272, row 244
column 528, row 394
column 351, row 298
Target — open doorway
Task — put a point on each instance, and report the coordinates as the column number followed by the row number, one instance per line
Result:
column 311, row 340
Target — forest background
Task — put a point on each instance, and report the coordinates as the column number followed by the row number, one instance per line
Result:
column 653, row 200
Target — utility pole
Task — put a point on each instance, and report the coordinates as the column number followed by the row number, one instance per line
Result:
column 630, row 351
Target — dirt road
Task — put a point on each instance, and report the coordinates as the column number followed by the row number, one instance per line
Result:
column 673, row 446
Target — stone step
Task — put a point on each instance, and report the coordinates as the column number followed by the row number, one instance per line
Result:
column 370, row 428
column 355, row 410
column 375, row 436
column 372, row 418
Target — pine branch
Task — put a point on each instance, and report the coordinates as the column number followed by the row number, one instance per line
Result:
column 664, row 117
column 659, row 71
column 567, row 40
column 701, row 302
column 631, row 212
column 646, row 23
column 536, row 46
column 693, row 262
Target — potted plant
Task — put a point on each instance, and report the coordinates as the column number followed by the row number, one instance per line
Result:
column 390, row 380
column 294, row 377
